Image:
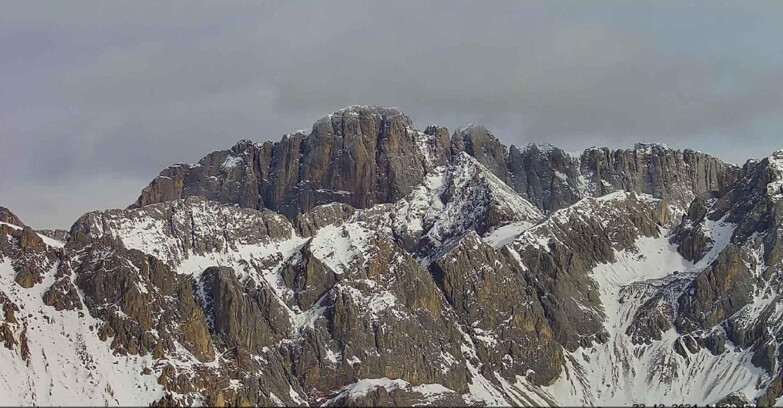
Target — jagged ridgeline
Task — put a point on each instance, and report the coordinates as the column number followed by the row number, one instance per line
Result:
column 364, row 156
column 365, row 262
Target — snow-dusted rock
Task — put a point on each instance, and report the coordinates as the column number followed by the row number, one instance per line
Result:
column 366, row 262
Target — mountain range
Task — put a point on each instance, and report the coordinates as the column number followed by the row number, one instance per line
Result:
column 366, row 262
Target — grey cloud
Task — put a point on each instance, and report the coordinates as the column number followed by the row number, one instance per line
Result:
column 120, row 90
column 60, row 204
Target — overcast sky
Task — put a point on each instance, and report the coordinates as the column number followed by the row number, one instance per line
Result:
column 97, row 97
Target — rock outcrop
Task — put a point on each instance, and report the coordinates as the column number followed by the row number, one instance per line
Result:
column 10, row 218
column 30, row 256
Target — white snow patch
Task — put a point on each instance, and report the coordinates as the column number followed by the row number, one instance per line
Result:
column 342, row 247
column 337, row 192
column 353, row 360
column 276, row 399
column 363, row 387
column 295, row 396
column 506, row 234
column 423, row 205
column 482, row 391
column 231, row 162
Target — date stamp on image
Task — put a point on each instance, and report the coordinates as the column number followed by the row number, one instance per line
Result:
column 688, row 405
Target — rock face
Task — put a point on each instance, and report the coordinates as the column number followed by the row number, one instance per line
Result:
column 367, row 155
column 359, row 156
column 250, row 319
column 673, row 175
column 489, row 292
column 738, row 233
column 547, row 176
column 368, row 263
column 553, row 179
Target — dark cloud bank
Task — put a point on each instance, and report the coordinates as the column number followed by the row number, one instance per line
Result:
column 97, row 97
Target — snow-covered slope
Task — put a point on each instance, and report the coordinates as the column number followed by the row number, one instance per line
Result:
column 61, row 361
column 620, row 372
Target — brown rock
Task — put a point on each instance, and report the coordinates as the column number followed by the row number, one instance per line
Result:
column 62, row 295
column 26, row 279
column 8, row 217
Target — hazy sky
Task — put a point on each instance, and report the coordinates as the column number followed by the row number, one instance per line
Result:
column 97, row 97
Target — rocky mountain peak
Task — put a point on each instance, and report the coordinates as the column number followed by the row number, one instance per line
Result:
column 388, row 113
column 543, row 148
column 361, row 155
column 478, row 142
column 9, row 217
column 243, row 145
